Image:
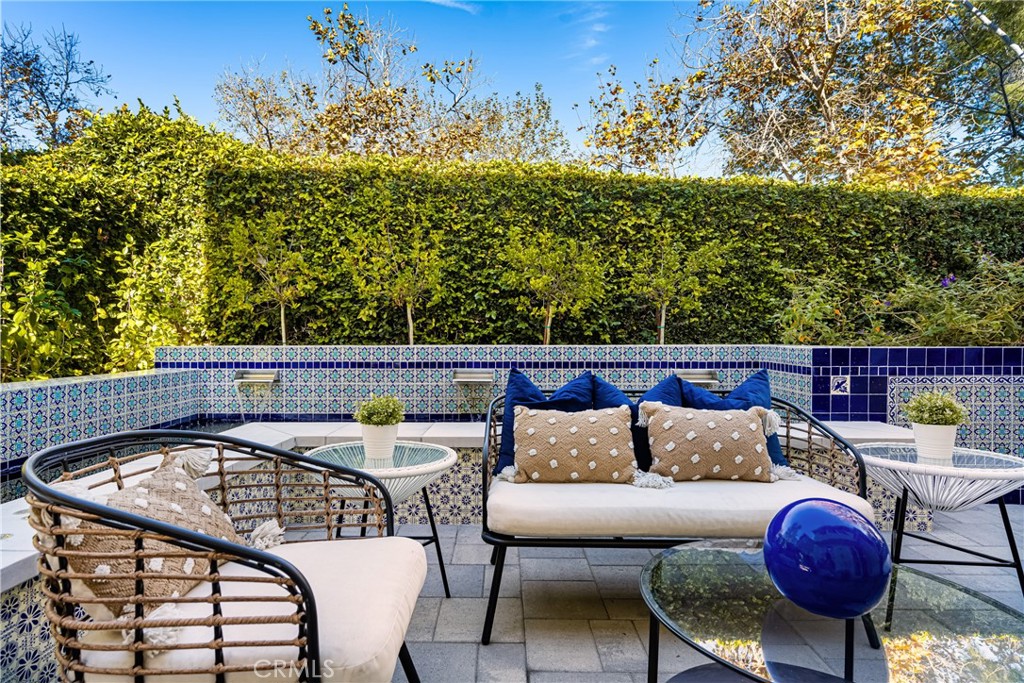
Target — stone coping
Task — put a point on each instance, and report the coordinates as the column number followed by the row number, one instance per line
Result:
column 18, row 557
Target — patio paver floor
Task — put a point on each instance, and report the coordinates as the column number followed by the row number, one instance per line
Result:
column 569, row 615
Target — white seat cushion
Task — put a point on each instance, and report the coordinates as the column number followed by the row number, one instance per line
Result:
column 365, row 590
column 693, row 509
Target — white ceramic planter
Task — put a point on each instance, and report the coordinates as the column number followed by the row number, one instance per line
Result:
column 935, row 442
column 379, row 445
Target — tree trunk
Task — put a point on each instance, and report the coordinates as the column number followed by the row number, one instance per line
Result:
column 661, row 323
column 284, row 333
column 548, row 315
column 408, row 320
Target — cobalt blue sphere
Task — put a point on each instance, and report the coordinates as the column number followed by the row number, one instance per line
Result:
column 827, row 558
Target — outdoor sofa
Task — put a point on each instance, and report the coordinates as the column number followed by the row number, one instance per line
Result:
column 617, row 515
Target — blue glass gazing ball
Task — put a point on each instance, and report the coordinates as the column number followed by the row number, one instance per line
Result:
column 827, row 558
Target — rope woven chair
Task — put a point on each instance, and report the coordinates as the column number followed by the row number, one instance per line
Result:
column 327, row 603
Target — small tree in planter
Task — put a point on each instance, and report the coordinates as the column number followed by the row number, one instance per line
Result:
column 380, row 417
column 935, row 416
column 401, row 265
column 269, row 248
column 673, row 277
column 562, row 274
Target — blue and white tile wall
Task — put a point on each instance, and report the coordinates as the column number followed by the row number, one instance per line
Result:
column 325, row 383
column 34, row 415
column 860, row 383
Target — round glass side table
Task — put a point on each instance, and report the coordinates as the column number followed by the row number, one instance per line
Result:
column 972, row 478
column 416, row 465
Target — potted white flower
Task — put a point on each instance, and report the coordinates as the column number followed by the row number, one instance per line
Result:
column 935, row 417
column 380, row 417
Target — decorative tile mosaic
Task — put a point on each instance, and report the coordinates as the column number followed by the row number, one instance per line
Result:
column 995, row 406
column 26, row 654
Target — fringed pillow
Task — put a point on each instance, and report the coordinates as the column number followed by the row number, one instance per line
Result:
column 688, row 444
column 585, row 446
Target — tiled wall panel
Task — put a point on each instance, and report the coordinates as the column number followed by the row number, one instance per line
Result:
column 34, row 415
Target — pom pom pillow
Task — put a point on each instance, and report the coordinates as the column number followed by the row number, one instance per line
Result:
column 754, row 391
column 585, row 446
column 688, row 444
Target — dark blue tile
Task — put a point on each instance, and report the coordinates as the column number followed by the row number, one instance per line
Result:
column 877, row 403
column 897, row 357
column 917, row 357
column 820, row 357
column 843, row 416
column 820, row 404
column 973, row 356
column 859, row 417
column 820, row 384
column 840, row 404
column 935, row 358
column 859, row 384
column 879, row 357
column 993, row 356
column 878, row 385
column 1013, row 356
column 840, row 357
column 859, row 403
column 954, row 356
column 859, row 356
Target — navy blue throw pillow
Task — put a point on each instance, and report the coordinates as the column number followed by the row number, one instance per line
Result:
column 754, row 391
column 667, row 391
column 576, row 395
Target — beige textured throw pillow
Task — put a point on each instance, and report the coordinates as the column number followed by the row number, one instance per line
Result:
column 585, row 446
column 169, row 495
column 689, row 444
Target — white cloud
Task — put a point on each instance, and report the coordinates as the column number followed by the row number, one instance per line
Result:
column 455, row 4
column 587, row 19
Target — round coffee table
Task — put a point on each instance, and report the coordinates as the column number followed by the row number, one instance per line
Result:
column 416, row 465
column 722, row 603
column 972, row 478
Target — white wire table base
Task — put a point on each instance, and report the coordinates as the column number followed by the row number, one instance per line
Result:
column 970, row 479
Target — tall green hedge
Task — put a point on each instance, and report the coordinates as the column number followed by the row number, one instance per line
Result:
column 167, row 191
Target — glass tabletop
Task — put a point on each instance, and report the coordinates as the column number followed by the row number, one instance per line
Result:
column 723, row 603
column 897, row 454
column 408, row 454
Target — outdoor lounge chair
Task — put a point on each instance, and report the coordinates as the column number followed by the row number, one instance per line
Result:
column 131, row 596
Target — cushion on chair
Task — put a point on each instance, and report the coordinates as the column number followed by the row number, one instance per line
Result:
column 707, row 508
column 365, row 590
column 585, row 446
column 577, row 394
column 753, row 391
column 688, row 444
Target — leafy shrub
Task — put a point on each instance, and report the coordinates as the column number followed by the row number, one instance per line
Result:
column 984, row 305
column 123, row 241
column 380, row 411
column 935, row 408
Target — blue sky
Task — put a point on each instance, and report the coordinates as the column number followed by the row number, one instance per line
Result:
column 157, row 50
